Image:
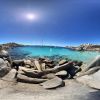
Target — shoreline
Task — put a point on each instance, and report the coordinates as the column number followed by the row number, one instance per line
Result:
column 35, row 78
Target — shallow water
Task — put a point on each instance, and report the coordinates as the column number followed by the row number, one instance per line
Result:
column 41, row 51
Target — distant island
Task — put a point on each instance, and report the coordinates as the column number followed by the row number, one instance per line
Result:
column 10, row 45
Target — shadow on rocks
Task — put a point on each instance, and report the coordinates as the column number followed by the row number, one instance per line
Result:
column 94, row 95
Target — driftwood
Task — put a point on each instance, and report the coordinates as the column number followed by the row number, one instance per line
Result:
column 47, row 71
column 25, row 79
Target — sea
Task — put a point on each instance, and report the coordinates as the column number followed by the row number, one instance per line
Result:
column 52, row 53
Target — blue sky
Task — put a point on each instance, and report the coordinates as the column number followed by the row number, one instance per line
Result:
column 56, row 22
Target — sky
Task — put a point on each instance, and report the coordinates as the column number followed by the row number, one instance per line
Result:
column 50, row 22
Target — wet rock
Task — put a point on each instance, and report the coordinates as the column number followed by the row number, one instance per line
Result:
column 53, row 83
column 4, row 69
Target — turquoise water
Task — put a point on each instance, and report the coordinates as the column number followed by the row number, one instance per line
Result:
column 42, row 51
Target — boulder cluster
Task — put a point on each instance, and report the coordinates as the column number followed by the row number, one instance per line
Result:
column 5, row 64
column 49, row 73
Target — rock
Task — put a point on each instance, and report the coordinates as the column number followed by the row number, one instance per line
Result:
column 43, row 65
column 95, row 62
column 48, row 61
column 4, row 69
column 90, row 71
column 63, row 62
column 4, row 53
column 32, row 74
column 17, row 63
column 53, row 83
column 27, row 66
column 49, row 76
column 61, row 73
column 27, row 62
column 25, row 79
column 37, row 65
column 91, row 80
column 10, row 76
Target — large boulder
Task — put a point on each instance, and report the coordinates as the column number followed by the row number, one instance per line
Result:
column 95, row 62
column 92, row 80
column 53, row 83
column 4, row 68
column 4, row 53
column 62, row 73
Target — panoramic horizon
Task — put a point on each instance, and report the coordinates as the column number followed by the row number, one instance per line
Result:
column 50, row 22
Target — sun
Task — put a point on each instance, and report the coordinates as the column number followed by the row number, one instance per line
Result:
column 30, row 16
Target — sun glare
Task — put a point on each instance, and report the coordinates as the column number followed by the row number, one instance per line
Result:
column 30, row 16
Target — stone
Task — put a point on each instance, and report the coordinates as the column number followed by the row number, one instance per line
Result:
column 27, row 66
column 10, row 76
column 43, row 65
column 95, row 62
column 25, row 79
column 61, row 73
column 4, row 69
column 49, row 76
column 63, row 61
column 90, row 71
column 37, row 65
column 18, row 63
column 4, row 53
column 27, row 62
column 92, row 80
column 53, row 83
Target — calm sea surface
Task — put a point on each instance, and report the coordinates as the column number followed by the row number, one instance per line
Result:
column 42, row 51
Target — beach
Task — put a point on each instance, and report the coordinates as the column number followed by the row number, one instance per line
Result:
column 42, row 78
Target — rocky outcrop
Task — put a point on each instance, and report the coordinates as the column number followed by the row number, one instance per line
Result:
column 10, row 45
column 86, row 47
column 92, row 80
column 4, row 68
